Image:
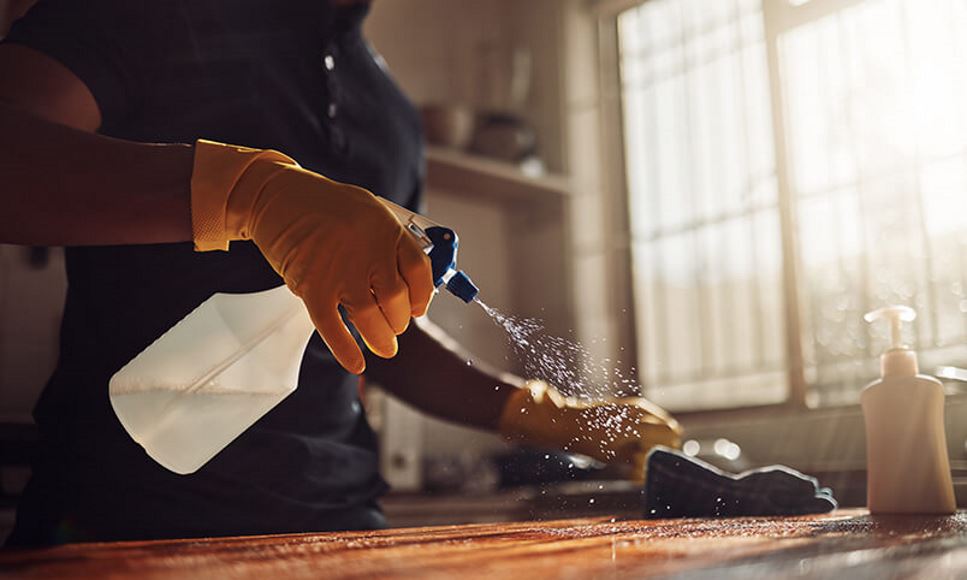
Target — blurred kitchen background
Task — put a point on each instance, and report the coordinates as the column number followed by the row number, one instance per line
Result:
column 708, row 194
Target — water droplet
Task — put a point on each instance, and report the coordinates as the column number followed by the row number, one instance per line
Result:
column 569, row 366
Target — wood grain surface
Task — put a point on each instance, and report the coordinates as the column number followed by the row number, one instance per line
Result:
column 844, row 544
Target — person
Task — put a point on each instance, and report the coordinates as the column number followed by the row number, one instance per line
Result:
column 115, row 120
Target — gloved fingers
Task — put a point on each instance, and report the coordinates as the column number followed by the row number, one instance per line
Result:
column 338, row 338
column 639, row 468
column 393, row 298
column 639, row 422
column 414, row 267
column 632, row 452
column 660, row 434
column 368, row 319
column 628, row 459
column 651, row 409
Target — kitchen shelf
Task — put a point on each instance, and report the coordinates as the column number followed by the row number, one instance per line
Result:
column 483, row 178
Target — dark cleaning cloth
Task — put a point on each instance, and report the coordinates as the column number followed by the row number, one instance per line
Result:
column 679, row 486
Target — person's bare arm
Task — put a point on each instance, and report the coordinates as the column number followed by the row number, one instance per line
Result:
column 61, row 184
column 431, row 373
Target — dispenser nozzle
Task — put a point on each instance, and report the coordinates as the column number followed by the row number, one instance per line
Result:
column 896, row 315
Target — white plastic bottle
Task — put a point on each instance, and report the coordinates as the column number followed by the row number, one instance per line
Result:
column 205, row 381
column 214, row 374
column 908, row 471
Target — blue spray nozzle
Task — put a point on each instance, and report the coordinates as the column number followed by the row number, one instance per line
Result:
column 443, row 260
column 440, row 243
column 443, row 255
column 462, row 287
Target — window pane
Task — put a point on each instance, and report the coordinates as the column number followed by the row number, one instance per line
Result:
column 702, row 187
column 877, row 135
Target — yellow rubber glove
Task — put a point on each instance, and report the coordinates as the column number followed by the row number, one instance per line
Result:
column 619, row 432
column 333, row 244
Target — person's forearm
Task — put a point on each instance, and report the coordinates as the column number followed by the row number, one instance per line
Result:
column 63, row 186
column 431, row 373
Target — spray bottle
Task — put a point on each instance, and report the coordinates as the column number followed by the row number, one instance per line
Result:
column 908, row 471
column 210, row 377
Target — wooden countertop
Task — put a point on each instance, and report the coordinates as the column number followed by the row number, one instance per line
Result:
column 840, row 545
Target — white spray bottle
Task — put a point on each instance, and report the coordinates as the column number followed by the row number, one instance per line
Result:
column 908, row 471
column 211, row 376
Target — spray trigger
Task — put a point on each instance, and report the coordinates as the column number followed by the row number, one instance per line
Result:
column 440, row 243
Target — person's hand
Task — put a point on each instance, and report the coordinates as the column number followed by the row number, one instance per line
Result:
column 620, row 431
column 333, row 244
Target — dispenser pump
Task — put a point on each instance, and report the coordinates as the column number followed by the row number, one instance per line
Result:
column 898, row 360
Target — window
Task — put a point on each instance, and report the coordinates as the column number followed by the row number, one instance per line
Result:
column 863, row 184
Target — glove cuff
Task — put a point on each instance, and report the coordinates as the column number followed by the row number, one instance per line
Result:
column 218, row 169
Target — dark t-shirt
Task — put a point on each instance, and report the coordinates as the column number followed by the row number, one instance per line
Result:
column 295, row 76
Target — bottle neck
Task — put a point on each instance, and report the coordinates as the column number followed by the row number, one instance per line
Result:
column 899, row 362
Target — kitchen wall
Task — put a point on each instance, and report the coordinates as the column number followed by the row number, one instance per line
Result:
column 444, row 51
column 455, row 51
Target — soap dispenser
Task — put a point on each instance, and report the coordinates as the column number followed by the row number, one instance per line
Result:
column 908, row 471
